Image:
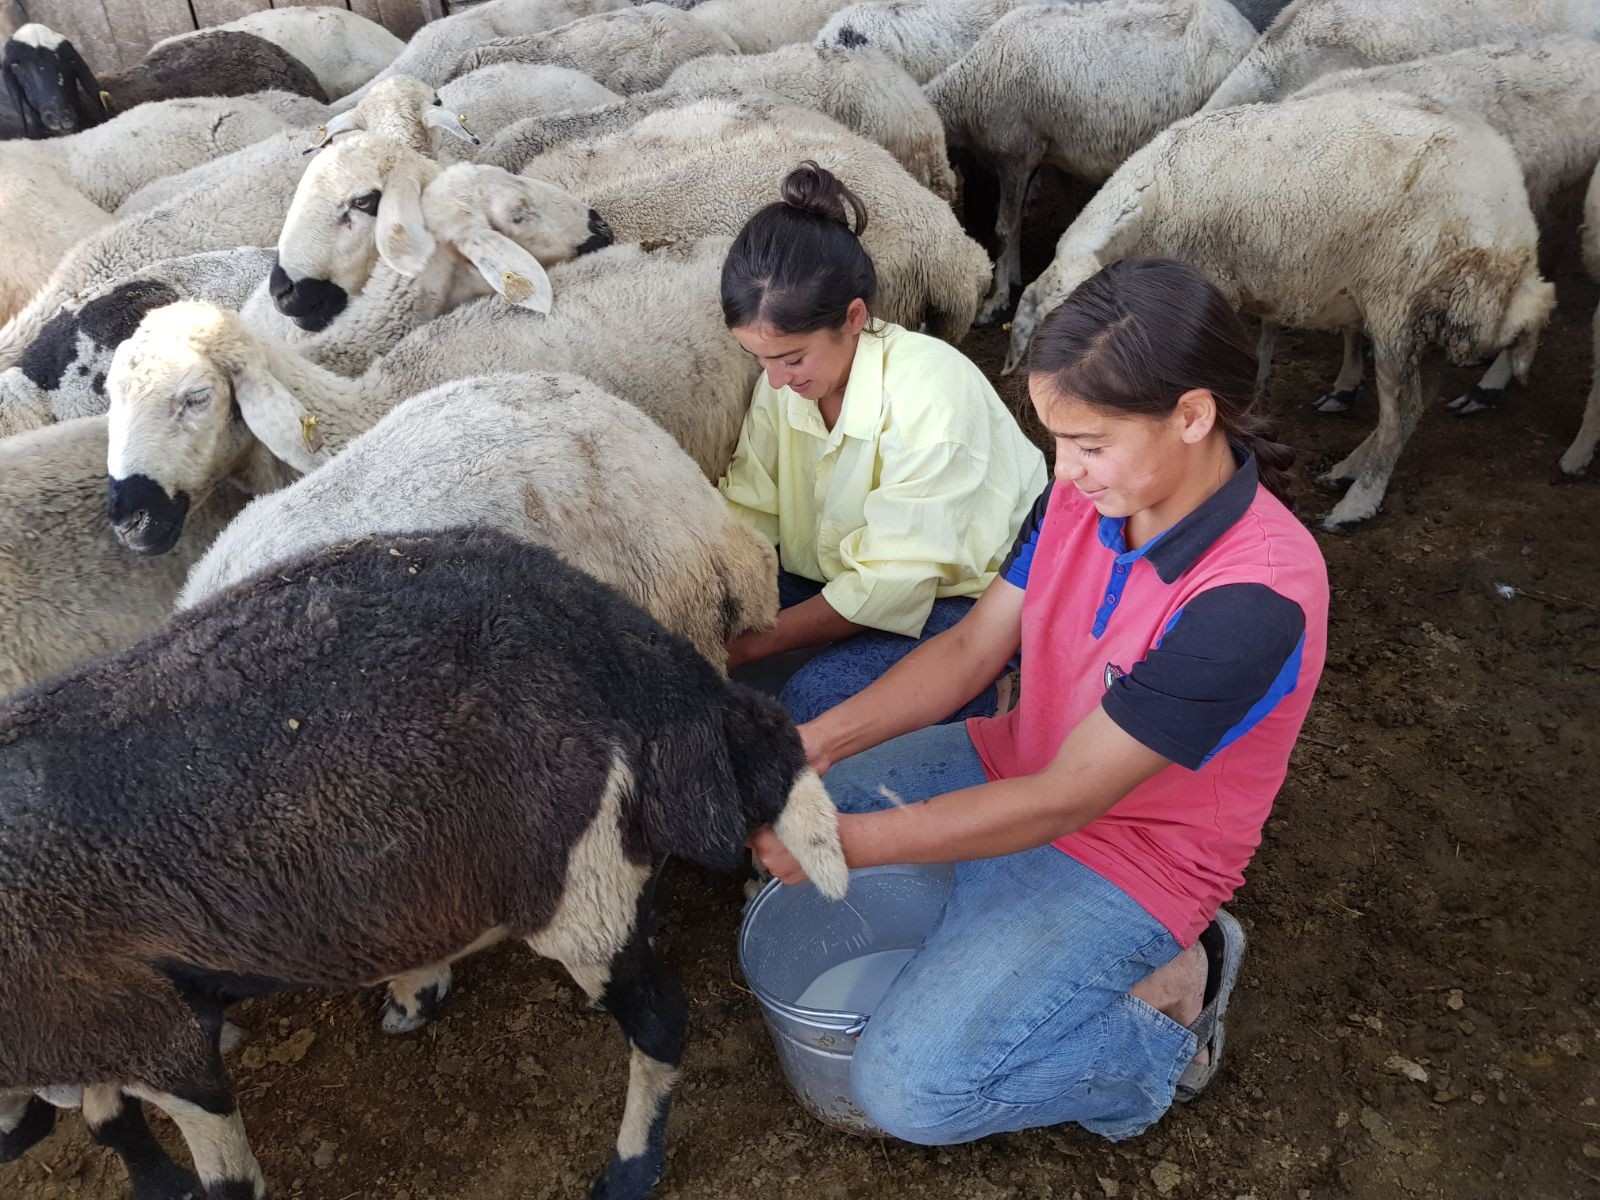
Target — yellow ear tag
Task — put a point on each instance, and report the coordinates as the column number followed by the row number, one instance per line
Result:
column 310, row 434
column 462, row 117
column 105, row 99
column 514, row 288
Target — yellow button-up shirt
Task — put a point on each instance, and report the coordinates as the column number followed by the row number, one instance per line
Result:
column 915, row 494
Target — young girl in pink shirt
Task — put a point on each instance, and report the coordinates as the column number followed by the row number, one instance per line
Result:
column 1171, row 614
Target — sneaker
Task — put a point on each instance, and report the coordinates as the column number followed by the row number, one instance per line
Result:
column 1223, row 941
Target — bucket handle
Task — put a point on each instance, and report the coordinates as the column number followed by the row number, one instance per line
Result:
column 856, row 1028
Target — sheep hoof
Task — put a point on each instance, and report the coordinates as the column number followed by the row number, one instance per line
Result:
column 629, row 1178
column 996, row 312
column 1336, row 402
column 1478, row 399
column 1329, row 525
column 38, row 1119
column 398, row 1020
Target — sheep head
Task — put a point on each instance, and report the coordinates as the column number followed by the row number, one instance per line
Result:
column 401, row 108
column 177, row 387
column 360, row 201
column 510, row 228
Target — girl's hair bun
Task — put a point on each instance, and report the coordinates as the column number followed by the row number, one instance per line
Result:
column 811, row 188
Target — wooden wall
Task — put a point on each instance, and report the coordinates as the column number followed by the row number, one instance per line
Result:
column 114, row 34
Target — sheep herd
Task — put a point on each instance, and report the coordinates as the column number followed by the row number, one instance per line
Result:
column 331, row 382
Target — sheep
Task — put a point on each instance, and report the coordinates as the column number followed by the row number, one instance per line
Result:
column 1080, row 87
column 1541, row 95
column 48, row 83
column 342, row 50
column 433, row 51
column 863, row 92
column 1581, row 453
column 55, row 194
column 531, row 455
column 760, row 26
column 1410, row 218
column 631, row 50
column 702, row 170
column 211, row 217
column 68, row 590
column 362, row 201
column 430, row 744
column 478, row 219
column 642, row 325
column 1317, row 37
column 62, row 374
column 923, row 36
column 210, row 64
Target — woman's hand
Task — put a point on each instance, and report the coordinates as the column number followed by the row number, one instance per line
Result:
column 818, row 753
column 775, row 856
column 744, row 648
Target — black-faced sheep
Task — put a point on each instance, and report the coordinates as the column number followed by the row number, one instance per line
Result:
column 376, row 756
column 49, row 84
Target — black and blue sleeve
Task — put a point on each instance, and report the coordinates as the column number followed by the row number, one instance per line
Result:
column 1015, row 568
column 1225, row 661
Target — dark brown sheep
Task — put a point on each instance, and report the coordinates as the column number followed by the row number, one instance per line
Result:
column 356, row 763
column 218, row 62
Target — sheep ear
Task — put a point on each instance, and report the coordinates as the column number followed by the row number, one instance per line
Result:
column 435, row 117
column 85, row 77
column 404, row 241
column 345, row 122
column 277, row 418
column 511, row 271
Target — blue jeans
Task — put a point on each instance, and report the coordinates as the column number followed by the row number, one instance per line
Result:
column 813, row 681
column 1015, row 1013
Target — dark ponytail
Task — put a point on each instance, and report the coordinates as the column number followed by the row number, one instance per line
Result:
column 798, row 263
column 1140, row 333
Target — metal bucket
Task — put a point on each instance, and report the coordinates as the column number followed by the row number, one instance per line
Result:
column 791, row 935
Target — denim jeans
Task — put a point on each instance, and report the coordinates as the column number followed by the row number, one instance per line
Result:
column 1015, row 1013
column 811, row 681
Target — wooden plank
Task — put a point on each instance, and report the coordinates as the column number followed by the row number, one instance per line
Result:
column 139, row 24
column 404, row 17
column 309, row 4
column 369, row 9
column 85, row 24
column 220, row 12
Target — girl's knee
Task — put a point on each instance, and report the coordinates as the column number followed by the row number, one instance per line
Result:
column 901, row 1100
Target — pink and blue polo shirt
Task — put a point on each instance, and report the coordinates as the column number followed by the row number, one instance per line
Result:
column 1205, row 644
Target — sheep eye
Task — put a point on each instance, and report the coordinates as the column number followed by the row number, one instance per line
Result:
column 193, row 401
column 368, row 203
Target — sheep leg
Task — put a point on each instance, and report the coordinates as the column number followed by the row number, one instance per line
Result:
column 414, row 998
column 1367, row 469
column 1015, row 176
column 1489, row 392
column 118, row 1124
column 214, row 1131
column 1578, row 456
column 654, row 1017
column 1343, row 396
column 25, row 1120
column 1266, row 346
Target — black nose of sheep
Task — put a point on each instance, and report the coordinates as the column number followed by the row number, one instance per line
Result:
column 600, row 235
column 145, row 519
column 311, row 304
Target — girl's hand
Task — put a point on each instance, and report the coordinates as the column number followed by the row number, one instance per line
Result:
column 775, row 856
column 818, row 753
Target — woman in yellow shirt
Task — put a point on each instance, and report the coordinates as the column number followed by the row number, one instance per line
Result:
column 880, row 462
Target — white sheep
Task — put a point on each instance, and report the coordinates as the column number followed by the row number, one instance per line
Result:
column 704, row 169
column 68, row 591
column 630, row 50
column 760, row 26
column 643, row 325
column 863, row 92
column 536, row 457
column 924, row 36
column 1080, row 87
column 1581, row 453
column 217, row 213
column 1541, row 95
column 1409, row 218
column 433, row 51
column 342, row 49
column 55, row 193
column 1313, row 38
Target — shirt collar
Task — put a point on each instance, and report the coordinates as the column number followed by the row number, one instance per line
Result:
column 1173, row 551
column 862, row 411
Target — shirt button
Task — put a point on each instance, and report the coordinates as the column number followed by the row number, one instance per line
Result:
column 1110, row 598
column 1122, row 568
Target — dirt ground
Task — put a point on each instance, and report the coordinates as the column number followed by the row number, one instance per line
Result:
column 1425, row 892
